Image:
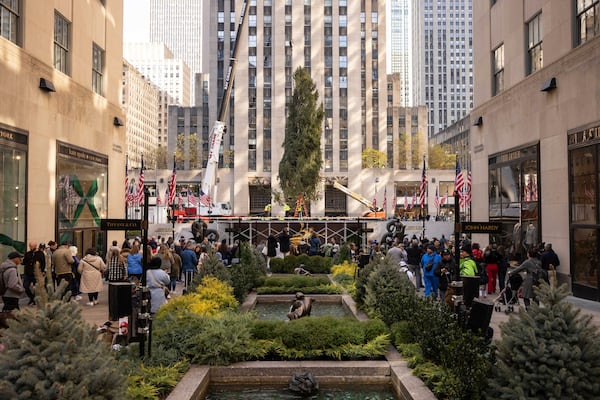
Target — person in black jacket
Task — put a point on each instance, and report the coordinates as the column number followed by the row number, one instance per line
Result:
column 444, row 270
column 284, row 241
column 35, row 254
column 413, row 254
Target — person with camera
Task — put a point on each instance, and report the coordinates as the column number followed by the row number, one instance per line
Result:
column 444, row 272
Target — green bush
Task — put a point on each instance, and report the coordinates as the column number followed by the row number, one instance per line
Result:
column 52, row 353
column 218, row 340
column 322, row 289
column 248, row 273
column 389, row 294
column 296, row 281
column 402, row 333
column 550, row 352
column 152, row 382
column 213, row 266
column 313, row 264
column 327, row 337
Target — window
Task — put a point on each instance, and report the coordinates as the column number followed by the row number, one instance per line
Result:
column 498, row 70
column 97, row 69
column 9, row 19
column 62, row 32
column 534, row 45
column 588, row 19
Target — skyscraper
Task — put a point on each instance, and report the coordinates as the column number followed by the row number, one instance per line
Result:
column 407, row 51
column 181, row 26
column 448, row 61
column 342, row 44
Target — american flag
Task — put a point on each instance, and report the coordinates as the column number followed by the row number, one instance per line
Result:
column 140, row 189
column 406, row 199
column 423, row 188
column 530, row 189
column 191, row 198
column 158, row 199
column 458, row 180
column 436, row 201
column 465, row 199
column 384, row 205
column 589, row 192
column 179, row 200
column 414, row 199
column 170, row 197
column 127, row 200
column 375, row 200
column 204, row 199
column 444, row 199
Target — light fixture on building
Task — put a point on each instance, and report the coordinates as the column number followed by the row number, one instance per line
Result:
column 478, row 121
column 46, row 85
column 548, row 85
column 117, row 121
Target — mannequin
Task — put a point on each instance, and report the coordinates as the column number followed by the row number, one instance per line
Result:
column 531, row 235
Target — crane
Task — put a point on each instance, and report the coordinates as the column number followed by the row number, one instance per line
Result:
column 375, row 212
column 216, row 136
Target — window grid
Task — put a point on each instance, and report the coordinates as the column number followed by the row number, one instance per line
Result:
column 498, row 70
column 534, row 44
column 62, row 29
column 588, row 19
column 9, row 19
column 97, row 69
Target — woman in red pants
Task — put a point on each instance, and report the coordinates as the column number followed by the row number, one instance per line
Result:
column 492, row 259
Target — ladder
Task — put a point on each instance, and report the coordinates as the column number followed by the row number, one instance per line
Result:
column 300, row 210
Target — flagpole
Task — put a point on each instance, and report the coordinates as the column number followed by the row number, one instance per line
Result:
column 424, row 198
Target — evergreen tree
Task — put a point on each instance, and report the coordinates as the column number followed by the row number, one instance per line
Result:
column 52, row 353
column 550, row 352
column 300, row 166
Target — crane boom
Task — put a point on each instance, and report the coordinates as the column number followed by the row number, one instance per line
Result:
column 356, row 196
column 218, row 130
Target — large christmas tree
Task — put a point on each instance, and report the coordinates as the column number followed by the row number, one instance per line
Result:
column 550, row 352
column 50, row 352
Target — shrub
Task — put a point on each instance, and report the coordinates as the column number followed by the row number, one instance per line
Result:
column 218, row 340
column 343, row 255
column 344, row 271
column 152, row 382
column 209, row 298
column 550, row 352
column 52, row 353
column 248, row 273
column 213, row 266
column 323, row 337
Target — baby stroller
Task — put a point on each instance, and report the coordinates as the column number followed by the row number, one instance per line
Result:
column 509, row 296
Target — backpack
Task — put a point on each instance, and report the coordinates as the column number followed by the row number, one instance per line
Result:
column 3, row 286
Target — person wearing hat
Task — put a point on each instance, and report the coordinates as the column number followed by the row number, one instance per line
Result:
column 429, row 262
column 467, row 266
column 11, row 281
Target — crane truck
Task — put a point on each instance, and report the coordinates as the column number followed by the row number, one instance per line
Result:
column 374, row 212
column 200, row 227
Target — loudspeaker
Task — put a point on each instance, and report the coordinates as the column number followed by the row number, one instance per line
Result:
column 480, row 316
column 119, row 300
column 470, row 289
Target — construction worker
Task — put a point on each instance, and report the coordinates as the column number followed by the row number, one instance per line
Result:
column 287, row 209
column 268, row 210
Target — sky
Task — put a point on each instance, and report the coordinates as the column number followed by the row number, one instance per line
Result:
column 136, row 20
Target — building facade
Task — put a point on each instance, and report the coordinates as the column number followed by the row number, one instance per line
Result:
column 448, row 61
column 535, row 145
column 347, row 65
column 140, row 104
column 407, row 49
column 62, row 142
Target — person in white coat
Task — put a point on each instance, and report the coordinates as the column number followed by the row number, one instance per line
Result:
column 91, row 267
column 157, row 280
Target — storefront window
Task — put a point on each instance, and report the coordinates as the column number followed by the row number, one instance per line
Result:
column 81, row 196
column 513, row 199
column 13, row 206
column 584, row 148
